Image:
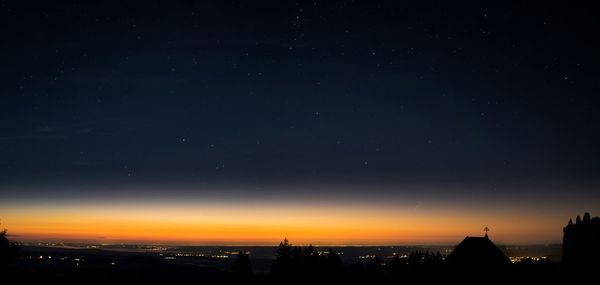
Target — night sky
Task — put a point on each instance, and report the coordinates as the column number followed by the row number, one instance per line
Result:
column 466, row 113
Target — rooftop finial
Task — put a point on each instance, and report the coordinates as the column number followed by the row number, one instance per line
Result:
column 486, row 230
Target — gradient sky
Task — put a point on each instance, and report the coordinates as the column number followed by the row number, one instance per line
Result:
column 334, row 122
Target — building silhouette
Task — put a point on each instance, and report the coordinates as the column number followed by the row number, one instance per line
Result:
column 478, row 252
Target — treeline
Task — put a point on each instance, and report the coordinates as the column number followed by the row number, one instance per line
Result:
column 297, row 263
column 295, row 260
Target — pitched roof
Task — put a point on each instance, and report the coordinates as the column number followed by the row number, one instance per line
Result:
column 478, row 251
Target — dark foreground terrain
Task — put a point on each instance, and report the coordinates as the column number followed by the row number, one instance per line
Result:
column 213, row 265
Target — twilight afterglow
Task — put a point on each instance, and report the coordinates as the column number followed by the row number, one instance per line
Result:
column 352, row 219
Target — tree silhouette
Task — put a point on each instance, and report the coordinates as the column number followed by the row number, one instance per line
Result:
column 283, row 258
column 305, row 263
column 415, row 258
column 395, row 266
column 333, row 260
column 581, row 241
column 375, row 267
column 242, row 267
column 8, row 250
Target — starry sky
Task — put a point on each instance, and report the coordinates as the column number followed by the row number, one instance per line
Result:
column 397, row 122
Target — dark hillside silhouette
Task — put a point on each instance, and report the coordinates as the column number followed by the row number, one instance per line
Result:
column 581, row 242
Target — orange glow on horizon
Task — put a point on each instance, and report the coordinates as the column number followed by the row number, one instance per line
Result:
column 241, row 224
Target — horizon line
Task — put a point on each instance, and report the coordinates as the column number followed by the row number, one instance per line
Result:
column 217, row 244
